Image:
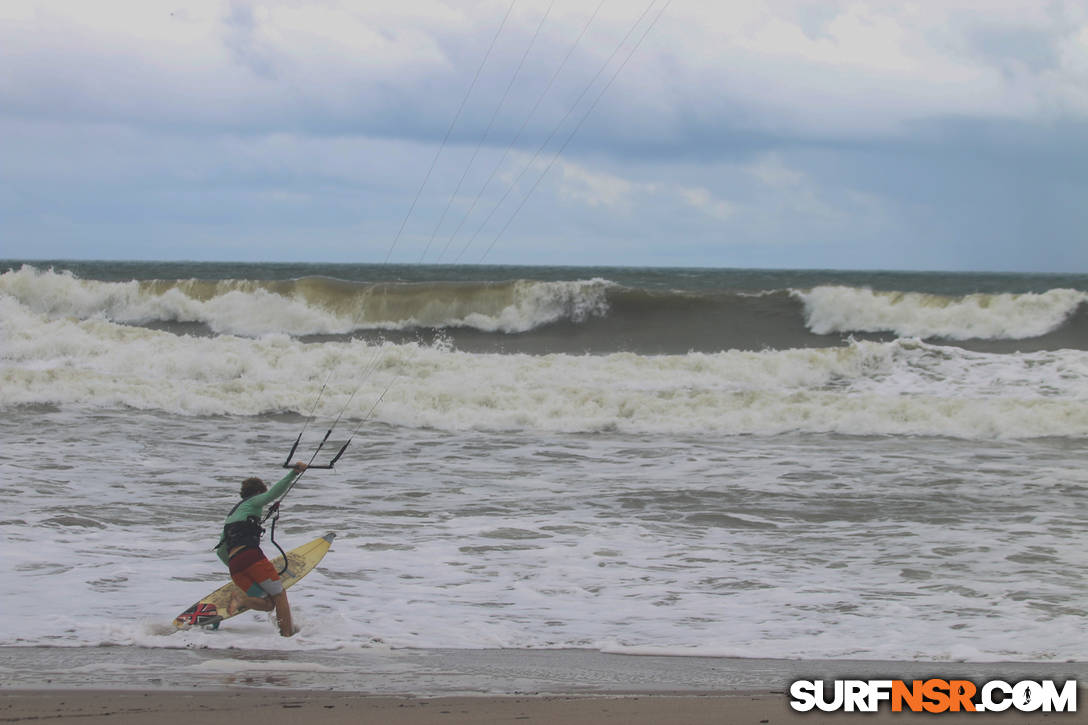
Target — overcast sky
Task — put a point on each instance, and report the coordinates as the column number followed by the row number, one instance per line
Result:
column 941, row 134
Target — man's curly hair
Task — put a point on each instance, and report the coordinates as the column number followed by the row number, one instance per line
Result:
column 253, row 486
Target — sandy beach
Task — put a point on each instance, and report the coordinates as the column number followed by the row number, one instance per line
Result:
column 137, row 685
column 273, row 707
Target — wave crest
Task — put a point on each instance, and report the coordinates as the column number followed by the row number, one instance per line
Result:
column 310, row 305
column 834, row 309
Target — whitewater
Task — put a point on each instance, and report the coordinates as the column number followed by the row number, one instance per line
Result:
column 805, row 465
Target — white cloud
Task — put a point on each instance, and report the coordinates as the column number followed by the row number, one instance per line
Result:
column 598, row 189
column 701, row 199
column 846, row 67
column 771, row 170
column 838, row 67
column 595, row 188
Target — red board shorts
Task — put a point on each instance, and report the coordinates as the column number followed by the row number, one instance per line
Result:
column 254, row 574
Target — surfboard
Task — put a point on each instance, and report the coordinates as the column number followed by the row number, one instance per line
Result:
column 212, row 609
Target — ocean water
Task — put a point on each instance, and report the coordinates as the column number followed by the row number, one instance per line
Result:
column 813, row 465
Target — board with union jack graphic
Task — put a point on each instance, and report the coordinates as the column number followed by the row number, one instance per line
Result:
column 212, row 609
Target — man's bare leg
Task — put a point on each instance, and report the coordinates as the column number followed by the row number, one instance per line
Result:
column 266, row 604
column 283, row 613
column 239, row 600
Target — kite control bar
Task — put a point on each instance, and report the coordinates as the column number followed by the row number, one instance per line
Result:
column 328, row 466
column 287, row 461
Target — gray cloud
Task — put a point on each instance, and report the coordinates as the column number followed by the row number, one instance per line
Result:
column 771, row 134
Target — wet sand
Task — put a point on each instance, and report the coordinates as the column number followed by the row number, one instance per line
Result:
column 275, row 707
column 119, row 685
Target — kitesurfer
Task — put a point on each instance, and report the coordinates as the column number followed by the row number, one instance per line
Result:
column 240, row 549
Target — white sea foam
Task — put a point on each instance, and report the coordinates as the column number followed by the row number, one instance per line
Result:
column 901, row 387
column 834, row 309
column 802, row 546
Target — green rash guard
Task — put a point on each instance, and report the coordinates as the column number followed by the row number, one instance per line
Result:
column 254, row 506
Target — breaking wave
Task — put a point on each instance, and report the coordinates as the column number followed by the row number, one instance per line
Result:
column 308, row 306
column 589, row 315
column 904, row 387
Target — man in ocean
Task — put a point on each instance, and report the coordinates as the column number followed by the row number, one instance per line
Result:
column 240, row 549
